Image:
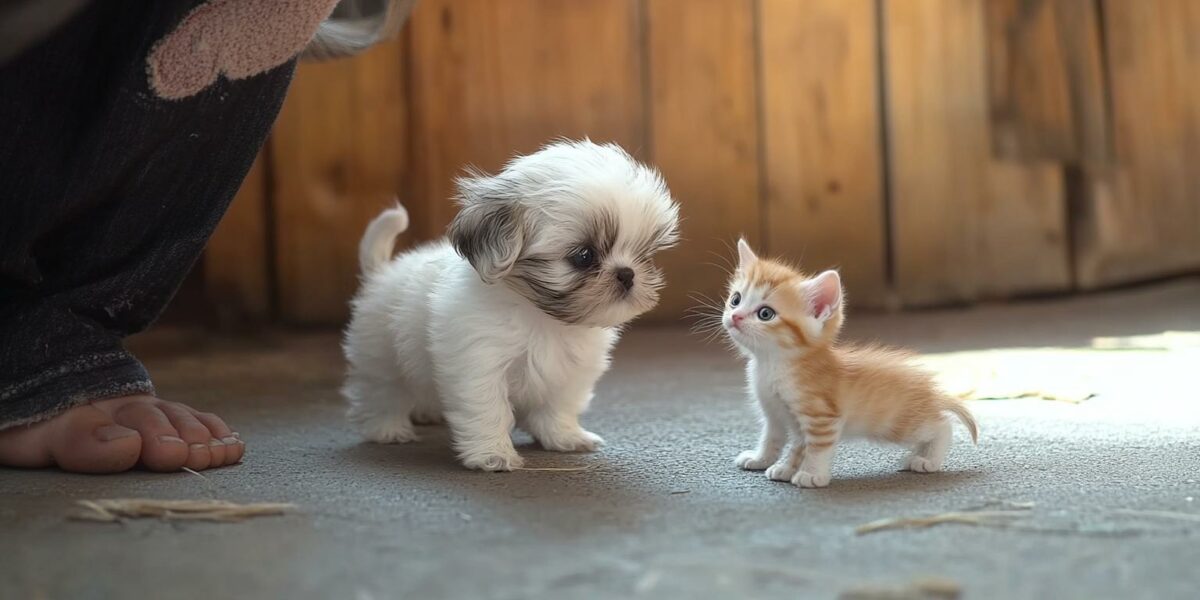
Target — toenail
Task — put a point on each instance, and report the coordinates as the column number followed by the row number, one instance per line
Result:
column 109, row 433
column 197, row 446
column 170, row 439
column 215, row 442
column 231, row 440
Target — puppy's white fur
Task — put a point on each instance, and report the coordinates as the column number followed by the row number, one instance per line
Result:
column 496, row 326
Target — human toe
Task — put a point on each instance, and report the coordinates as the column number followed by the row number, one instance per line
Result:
column 234, row 446
column 162, row 447
column 204, row 450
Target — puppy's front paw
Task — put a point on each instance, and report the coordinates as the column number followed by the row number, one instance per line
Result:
column 492, row 460
column 781, row 472
column 751, row 461
column 389, row 430
column 580, row 440
column 559, row 436
column 919, row 464
column 805, row 479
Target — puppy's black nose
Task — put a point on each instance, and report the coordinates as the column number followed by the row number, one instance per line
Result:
column 625, row 276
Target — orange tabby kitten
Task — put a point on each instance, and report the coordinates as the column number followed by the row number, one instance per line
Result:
column 816, row 391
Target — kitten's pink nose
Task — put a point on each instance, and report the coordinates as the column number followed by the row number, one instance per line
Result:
column 737, row 319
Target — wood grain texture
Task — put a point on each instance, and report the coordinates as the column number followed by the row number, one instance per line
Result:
column 1008, row 124
column 494, row 79
column 1022, row 225
column 1046, row 80
column 236, row 272
column 703, row 136
column 1079, row 34
column 1142, row 219
column 1030, row 102
column 822, row 144
column 946, row 192
column 939, row 145
column 338, row 159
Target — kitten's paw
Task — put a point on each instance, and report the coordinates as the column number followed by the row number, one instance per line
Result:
column 751, row 461
column 781, row 472
column 919, row 464
column 579, row 440
column 805, row 479
column 505, row 460
column 389, row 430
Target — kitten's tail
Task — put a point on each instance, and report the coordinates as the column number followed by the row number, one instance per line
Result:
column 963, row 413
column 378, row 243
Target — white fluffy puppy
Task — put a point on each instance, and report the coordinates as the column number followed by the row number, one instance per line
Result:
column 510, row 320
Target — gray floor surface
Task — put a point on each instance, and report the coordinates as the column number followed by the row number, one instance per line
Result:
column 661, row 512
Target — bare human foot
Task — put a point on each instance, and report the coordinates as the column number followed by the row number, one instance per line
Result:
column 114, row 435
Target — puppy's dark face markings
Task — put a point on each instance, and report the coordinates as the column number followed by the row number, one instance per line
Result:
column 572, row 228
column 602, row 271
column 560, row 281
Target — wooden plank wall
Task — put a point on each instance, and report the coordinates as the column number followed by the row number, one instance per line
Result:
column 822, row 145
column 701, row 73
column 966, row 223
column 338, row 157
column 937, row 151
column 494, row 79
column 1144, row 219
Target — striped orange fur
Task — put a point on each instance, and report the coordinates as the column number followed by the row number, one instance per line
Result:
column 815, row 390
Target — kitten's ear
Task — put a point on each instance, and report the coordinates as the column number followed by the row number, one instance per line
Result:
column 746, row 256
column 824, row 295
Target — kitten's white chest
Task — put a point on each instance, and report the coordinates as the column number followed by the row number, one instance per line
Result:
column 770, row 380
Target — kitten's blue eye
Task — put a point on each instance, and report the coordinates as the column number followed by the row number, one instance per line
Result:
column 766, row 313
column 735, row 300
column 583, row 258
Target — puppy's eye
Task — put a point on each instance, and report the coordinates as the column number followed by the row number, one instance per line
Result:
column 766, row 313
column 735, row 300
column 583, row 258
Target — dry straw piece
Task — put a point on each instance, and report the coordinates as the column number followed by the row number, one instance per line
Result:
column 114, row 510
column 1070, row 397
column 979, row 517
column 925, row 588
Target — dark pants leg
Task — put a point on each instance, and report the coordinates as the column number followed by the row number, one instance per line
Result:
column 107, row 196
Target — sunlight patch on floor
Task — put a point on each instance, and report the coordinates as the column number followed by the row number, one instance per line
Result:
column 1150, row 374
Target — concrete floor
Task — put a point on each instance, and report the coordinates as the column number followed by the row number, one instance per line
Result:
column 662, row 512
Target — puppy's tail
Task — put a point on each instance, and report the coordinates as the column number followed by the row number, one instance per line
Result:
column 960, row 410
column 378, row 243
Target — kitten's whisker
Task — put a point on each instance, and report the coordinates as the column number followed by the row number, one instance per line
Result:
column 707, row 303
column 730, row 256
column 724, row 269
column 706, row 309
column 707, row 323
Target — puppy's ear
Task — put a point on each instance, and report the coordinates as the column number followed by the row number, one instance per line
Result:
column 489, row 233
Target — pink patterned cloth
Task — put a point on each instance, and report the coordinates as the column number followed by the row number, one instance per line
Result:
column 235, row 38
